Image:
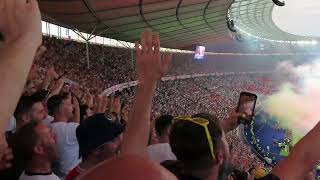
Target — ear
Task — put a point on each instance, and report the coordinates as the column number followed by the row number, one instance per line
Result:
column 59, row 110
column 168, row 130
column 25, row 118
column 38, row 149
column 219, row 158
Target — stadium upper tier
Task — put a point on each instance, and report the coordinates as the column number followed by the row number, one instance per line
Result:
column 181, row 23
column 255, row 17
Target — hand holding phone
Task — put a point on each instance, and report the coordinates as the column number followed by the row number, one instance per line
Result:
column 246, row 106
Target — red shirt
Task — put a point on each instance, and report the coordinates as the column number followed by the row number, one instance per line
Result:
column 74, row 173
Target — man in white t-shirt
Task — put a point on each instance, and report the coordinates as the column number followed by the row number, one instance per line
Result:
column 66, row 113
column 36, row 147
column 162, row 151
column 48, row 120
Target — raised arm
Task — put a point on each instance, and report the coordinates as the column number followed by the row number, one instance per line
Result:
column 57, row 88
column 76, row 116
column 97, row 104
column 20, row 22
column 304, row 156
column 150, row 69
column 50, row 75
column 116, row 106
column 88, row 99
column 231, row 122
column 41, row 50
column 5, row 154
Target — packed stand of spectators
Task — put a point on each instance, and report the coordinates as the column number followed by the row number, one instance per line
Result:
column 66, row 130
column 242, row 157
column 207, row 94
column 108, row 66
column 179, row 97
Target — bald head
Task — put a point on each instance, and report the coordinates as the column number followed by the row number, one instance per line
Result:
column 126, row 167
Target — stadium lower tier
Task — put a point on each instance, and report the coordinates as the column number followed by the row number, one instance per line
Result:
column 268, row 140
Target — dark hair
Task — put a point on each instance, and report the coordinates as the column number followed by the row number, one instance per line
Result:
column 54, row 102
column 25, row 140
column 162, row 123
column 174, row 166
column 251, row 170
column 41, row 95
column 28, row 82
column 24, row 106
column 189, row 142
column 239, row 175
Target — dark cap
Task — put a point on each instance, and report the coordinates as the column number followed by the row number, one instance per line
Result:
column 96, row 131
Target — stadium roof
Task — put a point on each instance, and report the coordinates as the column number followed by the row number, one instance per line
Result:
column 181, row 23
column 255, row 17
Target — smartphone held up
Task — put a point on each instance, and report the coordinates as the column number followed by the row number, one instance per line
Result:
column 246, row 106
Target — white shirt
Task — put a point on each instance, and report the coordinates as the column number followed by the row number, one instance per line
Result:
column 12, row 124
column 48, row 120
column 68, row 147
column 160, row 152
column 50, row 176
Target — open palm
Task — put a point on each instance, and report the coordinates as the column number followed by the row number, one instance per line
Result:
column 150, row 66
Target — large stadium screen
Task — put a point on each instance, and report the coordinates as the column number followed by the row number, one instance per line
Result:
column 199, row 53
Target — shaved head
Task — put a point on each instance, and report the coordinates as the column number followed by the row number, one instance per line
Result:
column 126, row 167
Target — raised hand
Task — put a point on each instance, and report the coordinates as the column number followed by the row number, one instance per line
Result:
column 5, row 161
column 57, row 87
column 88, row 98
column 75, row 103
column 52, row 73
column 20, row 20
column 20, row 25
column 104, row 104
column 116, row 106
column 33, row 72
column 231, row 122
column 97, row 104
column 150, row 67
column 42, row 49
column 5, row 154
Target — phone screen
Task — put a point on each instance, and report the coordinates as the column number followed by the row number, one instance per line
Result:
column 246, row 105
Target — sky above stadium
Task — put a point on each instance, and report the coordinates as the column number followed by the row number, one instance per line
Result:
column 300, row 17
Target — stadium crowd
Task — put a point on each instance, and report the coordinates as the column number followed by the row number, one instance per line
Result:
column 62, row 128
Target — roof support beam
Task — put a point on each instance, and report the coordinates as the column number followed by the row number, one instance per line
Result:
column 205, row 14
column 213, row 10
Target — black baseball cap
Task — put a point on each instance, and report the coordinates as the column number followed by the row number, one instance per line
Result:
column 95, row 131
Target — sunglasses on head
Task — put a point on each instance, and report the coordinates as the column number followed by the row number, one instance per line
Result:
column 203, row 123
